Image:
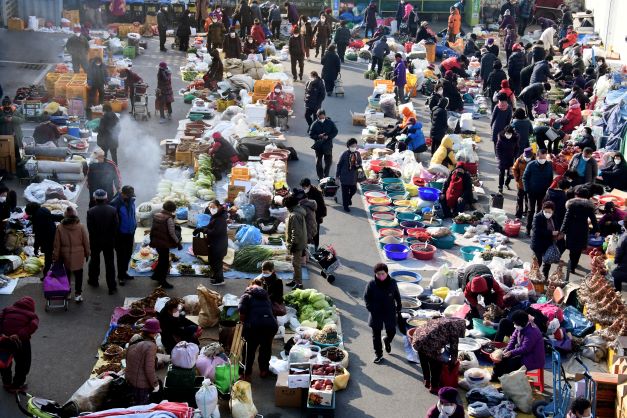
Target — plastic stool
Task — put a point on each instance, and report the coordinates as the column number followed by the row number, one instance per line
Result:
column 537, row 379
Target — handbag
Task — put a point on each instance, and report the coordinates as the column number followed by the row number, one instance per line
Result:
column 402, row 325
column 278, row 309
column 361, row 175
column 200, row 245
column 552, row 255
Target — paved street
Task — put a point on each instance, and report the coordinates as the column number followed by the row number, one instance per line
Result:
column 65, row 346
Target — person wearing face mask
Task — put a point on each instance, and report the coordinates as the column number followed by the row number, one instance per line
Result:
column 272, row 283
column 585, row 166
column 525, row 347
column 575, row 226
column 232, row 45
column 506, row 152
column 315, row 194
column 559, row 197
column 549, row 137
column 322, row 34
column 217, row 240
column 165, row 95
column 215, row 34
column 383, row 302
column 439, row 124
column 544, row 233
column 580, row 408
column 323, row 131
column 448, row 405
column 275, row 101
column 175, row 327
column 163, row 237
column 296, row 47
column 537, row 179
column 124, row 203
column 614, row 175
column 258, row 33
column 250, row 46
column 523, row 127
column 573, row 117
column 501, row 117
column 71, row 248
column 609, row 222
column 346, row 172
column 97, row 78
column 488, row 288
column 342, row 38
column 522, row 201
column 295, row 238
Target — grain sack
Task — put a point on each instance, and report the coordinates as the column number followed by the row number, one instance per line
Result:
column 209, row 307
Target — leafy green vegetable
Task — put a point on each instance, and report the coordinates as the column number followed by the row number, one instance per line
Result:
column 248, row 258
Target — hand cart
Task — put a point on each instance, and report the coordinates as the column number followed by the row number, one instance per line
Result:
column 328, row 262
column 139, row 107
column 44, row 408
column 329, row 187
column 558, row 406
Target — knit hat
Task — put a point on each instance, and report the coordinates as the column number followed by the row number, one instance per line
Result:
column 448, row 394
column 490, row 41
column 504, row 84
column 163, row 65
column 478, row 285
column 100, row 195
column 516, row 47
column 152, row 326
column 528, row 152
column 26, row 303
column 216, row 135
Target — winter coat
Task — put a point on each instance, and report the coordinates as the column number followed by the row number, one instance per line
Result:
column 129, row 85
column 315, row 194
column 518, row 170
column 256, row 310
column 141, row 363
column 71, row 244
column 508, row 20
column 434, row 412
column 493, row 84
column 102, row 220
column 322, row 32
column 12, row 127
column 532, row 93
column 216, row 32
column 471, row 271
column 452, row 194
column 400, row 11
column 275, row 14
column 510, row 39
column 452, row 64
column 217, row 237
column 528, row 343
column 108, row 131
column 258, row 34
column 537, row 177
column 500, row 119
column 162, row 231
column 232, row 47
column 615, row 176
column 330, row 69
column 454, row 22
column 314, row 93
column 381, row 48
column 541, row 235
column 439, row 123
column 370, row 17
column 243, row 14
column 572, row 119
column 306, row 33
column 103, row 176
column 506, row 150
column 487, row 65
column 292, row 13
column 470, row 49
column 523, row 128
column 342, row 36
column 126, row 214
column 77, row 45
column 327, row 127
column 515, row 64
column 455, row 101
column 164, row 85
column 250, row 47
column 541, row 72
column 525, row 76
column 592, row 168
column 424, row 34
column 383, row 302
column 310, row 218
column 400, row 75
column 487, row 287
column 296, row 230
column 97, row 75
column 575, row 225
column 445, row 155
column 202, row 11
column 415, row 138
column 438, row 333
column 343, row 172
column 174, row 329
column 620, row 259
column 19, row 319
column 184, row 26
column 256, row 11
column 274, row 287
column 558, row 197
column 296, row 46
column 44, row 228
column 162, row 21
column 569, row 40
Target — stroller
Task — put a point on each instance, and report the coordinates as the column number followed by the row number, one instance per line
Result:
column 329, row 187
column 44, row 408
column 328, row 262
column 56, row 288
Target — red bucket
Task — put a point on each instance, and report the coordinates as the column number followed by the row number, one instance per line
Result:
column 422, row 251
column 512, row 228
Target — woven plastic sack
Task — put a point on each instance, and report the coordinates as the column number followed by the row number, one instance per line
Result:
column 516, row 387
column 207, row 400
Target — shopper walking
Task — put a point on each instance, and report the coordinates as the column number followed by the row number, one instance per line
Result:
column 543, row 234
column 108, row 132
column 165, row 95
column 97, row 79
column 314, row 96
column 296, row 49
column 78, row 48
column 493, row 85
column 244, row 15
column 44, row 229
column 342, row 38
column 400, row 78
column 379, row 51
column 19, row 322
column 383, row 302
column 346, row 172
column 217, row 240
column 71, row 248
column 522, row 201
column 162, row 26
column 501, row 117
column 260, row 326
column 537, row 179
column 275, row 21
column 306, row 33
column 102, row 222
column 102, row 174
column 295, row 238
column 575, row 226
column 323, row 131
column 331, row 66
column 124, row 204
column 322, row 34
column 315, row 194
column 163, row 237
column 215, row 36
column 141, row 362
column 370, row 17
column 292, row 12
column 506, row 152
column 523, row 128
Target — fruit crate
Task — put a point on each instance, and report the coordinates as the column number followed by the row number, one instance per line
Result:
column 51, row 78
column 60, row 86
column 76, row 90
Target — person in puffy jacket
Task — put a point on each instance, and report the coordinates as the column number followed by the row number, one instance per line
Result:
column 506, row 152
column 176, row 327
column 415, row 142
column 296, row 47
column 457, row 194
column 342, row 38
column 515, row 64
column 543, row 233
column 163, row 237
column 215, row 35
column 346, row 172
column 471, row 49
column 455, row 64
column 314, row 193
column 575, row 226
column 531, row 94
column 323, row 131
column 454, row 24
column 522, row 202
column 331, row 66
column 272, row 283
column 508, row 19
column 19, row 322
column 183, row 31
column 306, row 33
column 383, row 303
column 141, row 362
column 370, row 17
column 448, row 404
column 257, row 32
column 310, row 207
column 569, row 40
column 439, row 124
column 322, row 34
column 108, row 132
column 379, row 51
column 275, row 19
column 487, row 64
column 217, row 240
column 445, row 155
column 501, row 117
column 276, row 102
column 260, row 326
column 495, row 78
column 71, row 248
column 400, row 78
column 315, row 92
column 487, row 287
column 585, row 166
column 232, row 45
column 523, row 127
column 537, row 179
column 295, row 238
column 614, row 174
column 573, row 117
column 292, row 13
column 541, row 72
column 450, row 91
column 244, row 15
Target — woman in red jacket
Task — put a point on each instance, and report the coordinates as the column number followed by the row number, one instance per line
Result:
column 569, row 40
column 21, row 321
column 257, row 33
column 572, row 118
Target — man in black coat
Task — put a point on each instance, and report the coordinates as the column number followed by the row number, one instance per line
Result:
column 487, row 64
column 531, row 94
column 102, row 223
column 322, row 131
column 575, row 226
column 314, row 96
column 515, row 64
column 342, row 38
column 102, row 174
column 525, row 76
column 439, row 124
column 244, row 15
column 162, row 26
column 620, row 259
column 315, row 194
column 543, row 233
column 331, row 66
column 44, row 228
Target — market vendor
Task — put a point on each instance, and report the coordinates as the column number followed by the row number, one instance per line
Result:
column 525, row 348
column 250, row 46
column 614, row 174
column 102, row 174
column 44, row 228
column 131, row 79
column 586, row 140
column 572, row 119
column 569, row 40
column 585, row 166
column 232, row 45
column 176, row 328
column 223, row 153
column 448, row 405
column 429, row 340
column 276, row 104
column 141, row 362
column 11, row 120
column 445, row 155
column 531, row 94
column 451, row 92
column 487, row 287
column 272, row 283
column 415, row 141
column 549, row 141
column 215, row 73
column 457, row 65
column 505, row 325
column 257, row 33
column 609, row 222
column 46, row 132
column 456, row 194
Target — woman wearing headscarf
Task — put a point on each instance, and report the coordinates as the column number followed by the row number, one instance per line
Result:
column 165, row 95
column 250, row 46
column 383, row 302
column 448, row 405
column 614, row 174
column 215, row 73
column 543, row 234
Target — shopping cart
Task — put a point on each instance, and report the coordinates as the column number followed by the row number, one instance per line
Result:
column 139, row 107
column 328, row 262
column 329, row 187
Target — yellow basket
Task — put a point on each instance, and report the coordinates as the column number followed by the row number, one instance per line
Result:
column 222, row 104
column 79, row 77
column 240, row 171
column 60, row 87
column 119, row 105
column 76, row 89
column 73, row 16
column 95, row 52
column 389, row 85
column 51, row 79
column 264, row 86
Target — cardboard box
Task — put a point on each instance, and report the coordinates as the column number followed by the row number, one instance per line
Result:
column 15, row 23
column 322, row 397
column 285, row 396
column 233, row 191
column 298, row 380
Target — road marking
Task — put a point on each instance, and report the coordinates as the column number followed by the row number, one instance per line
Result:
column 43, row 73
column 28, row 63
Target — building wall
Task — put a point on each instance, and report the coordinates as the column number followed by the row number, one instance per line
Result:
column 609, row 23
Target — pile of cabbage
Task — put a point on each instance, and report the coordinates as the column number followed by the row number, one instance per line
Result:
column 314, row 309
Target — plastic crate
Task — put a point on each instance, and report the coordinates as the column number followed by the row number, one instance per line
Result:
column 73, row 16
column 94, row 52
column 240, row 171
column 119, row 105
column 60, row 87
column 49, row 81
column 186, row 157
column 389, row 85
column 76, row 89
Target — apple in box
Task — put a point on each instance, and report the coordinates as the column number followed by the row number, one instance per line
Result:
column 322, row 384
column 323, row 370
